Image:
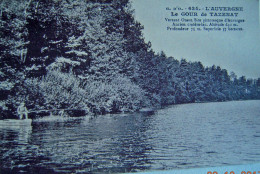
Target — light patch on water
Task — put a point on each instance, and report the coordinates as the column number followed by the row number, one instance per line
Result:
column 57, row 118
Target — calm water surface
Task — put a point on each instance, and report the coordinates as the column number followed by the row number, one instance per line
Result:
column 180, row 136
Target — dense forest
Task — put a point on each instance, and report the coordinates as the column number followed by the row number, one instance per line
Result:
column 91, row 55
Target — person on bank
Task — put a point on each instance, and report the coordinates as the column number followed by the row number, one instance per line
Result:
column 22, row 111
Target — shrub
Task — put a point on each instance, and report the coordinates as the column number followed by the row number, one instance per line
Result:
column 62, row 90
column 116, row 95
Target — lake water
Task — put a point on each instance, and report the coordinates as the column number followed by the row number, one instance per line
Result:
column 176, row 137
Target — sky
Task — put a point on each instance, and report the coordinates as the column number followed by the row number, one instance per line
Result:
column 237, row 51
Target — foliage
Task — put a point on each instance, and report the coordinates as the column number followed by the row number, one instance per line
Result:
column 118, row 95
column 91, row 55
column 62, row 90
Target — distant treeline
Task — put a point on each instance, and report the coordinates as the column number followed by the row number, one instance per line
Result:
column 91, row 55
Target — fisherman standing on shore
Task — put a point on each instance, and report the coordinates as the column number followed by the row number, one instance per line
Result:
column 22, row 111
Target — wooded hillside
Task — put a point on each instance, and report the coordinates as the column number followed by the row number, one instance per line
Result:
column 91, row 55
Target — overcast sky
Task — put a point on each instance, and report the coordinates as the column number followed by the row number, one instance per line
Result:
column 234, row 51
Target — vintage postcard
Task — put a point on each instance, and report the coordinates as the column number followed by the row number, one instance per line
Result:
column 129, row 86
